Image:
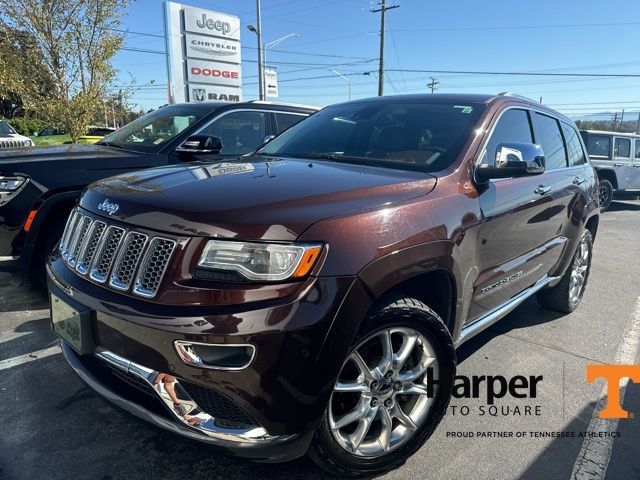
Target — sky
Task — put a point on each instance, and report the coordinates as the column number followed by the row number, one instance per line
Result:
column 546, row 36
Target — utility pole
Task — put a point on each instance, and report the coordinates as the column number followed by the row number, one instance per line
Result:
column 260, row 66
column 638, row 125
column 622, row 121
column 383, row 10
column 433, row 84
column 615, row 121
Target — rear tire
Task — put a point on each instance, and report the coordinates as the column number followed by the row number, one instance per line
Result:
column 566, row 295
column 605, row 194
column 399, row 416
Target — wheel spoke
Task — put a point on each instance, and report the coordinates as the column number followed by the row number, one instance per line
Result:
column 362, row 366
column 418, row 371
column 386, row 426
column 408, row 344
column 360, row 411
column 354, row 387
column 387, row 353
column 413, row 389
column 362, row 429
column 403, row 418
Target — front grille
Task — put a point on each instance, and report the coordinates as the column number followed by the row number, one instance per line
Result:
column 13, row 143
column 108, row 252
column 219, row 406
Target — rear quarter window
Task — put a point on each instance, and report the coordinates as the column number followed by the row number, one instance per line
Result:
column 547, row 134
column 574, row 147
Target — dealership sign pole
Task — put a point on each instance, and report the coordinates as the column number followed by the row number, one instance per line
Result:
column 203, row 54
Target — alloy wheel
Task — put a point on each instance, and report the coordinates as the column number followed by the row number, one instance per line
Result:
column 380, row 399
column 579, row 271
column 604, row 194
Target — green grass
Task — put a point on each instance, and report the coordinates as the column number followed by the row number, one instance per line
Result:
column 51, row 140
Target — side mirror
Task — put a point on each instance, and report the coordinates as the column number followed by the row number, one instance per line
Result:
column 513, row 159
column 201, row 144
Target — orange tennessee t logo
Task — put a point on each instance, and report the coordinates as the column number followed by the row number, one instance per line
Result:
column 613, row 374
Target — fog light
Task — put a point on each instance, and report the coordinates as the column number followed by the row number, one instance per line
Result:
column 219, row 356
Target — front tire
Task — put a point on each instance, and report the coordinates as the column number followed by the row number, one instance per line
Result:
column 381, row 411
column 566, row 295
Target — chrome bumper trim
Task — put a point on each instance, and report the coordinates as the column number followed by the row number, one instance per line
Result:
column 166, row 386
column 204, row 431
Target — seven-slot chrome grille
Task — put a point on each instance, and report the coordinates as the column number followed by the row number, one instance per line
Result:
column 113, row 255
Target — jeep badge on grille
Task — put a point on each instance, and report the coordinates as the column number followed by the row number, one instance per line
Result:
column 108, row 207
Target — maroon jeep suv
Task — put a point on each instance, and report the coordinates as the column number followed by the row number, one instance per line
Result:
column 309, row 298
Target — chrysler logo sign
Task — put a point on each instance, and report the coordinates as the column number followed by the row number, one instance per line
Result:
column 213, row 48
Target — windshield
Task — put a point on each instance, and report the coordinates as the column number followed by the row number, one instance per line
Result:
column 151, row 132
column 5, row 129
column 413, row 135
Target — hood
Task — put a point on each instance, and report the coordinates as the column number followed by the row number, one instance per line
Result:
column 57, row 152
column 256, row 199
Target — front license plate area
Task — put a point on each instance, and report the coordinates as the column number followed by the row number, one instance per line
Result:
column 72, row 324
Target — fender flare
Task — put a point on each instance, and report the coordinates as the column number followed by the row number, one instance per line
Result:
column 44, row 208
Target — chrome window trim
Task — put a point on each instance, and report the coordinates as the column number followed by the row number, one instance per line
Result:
column 223, row 114
column 526, row 108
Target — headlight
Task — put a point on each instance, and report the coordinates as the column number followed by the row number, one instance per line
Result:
column 270, row 262
column 11, row 184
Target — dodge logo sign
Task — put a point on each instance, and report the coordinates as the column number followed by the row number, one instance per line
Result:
column 212, row 72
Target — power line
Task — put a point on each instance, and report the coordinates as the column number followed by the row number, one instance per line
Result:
column 520, row 27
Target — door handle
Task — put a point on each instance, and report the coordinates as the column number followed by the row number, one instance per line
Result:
column 636, row 165
column 617, row 164
column 579, row 180
column 542, row 189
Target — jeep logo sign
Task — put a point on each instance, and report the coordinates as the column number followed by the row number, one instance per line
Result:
column 211, row 23
column 109, row 207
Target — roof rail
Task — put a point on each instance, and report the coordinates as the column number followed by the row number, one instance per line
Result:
column 515, row 95
column 300, row 105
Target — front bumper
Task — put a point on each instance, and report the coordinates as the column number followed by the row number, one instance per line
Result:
column 300, row 343
column 254, row 443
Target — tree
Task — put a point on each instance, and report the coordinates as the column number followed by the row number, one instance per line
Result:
column 73, row 42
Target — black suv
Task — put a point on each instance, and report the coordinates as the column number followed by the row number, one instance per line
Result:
column 39, row 186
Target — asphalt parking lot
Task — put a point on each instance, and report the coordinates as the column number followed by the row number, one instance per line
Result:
column 52, row 426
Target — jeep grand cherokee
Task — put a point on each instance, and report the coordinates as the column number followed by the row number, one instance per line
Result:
column 296, row 300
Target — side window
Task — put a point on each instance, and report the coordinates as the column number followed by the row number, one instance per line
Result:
column 622, row 148
column 599, row 145
column 286, row 120
column 240, row 132
column 547, row 133
column 574, row 147
column 513, row 126
column 637, row 147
